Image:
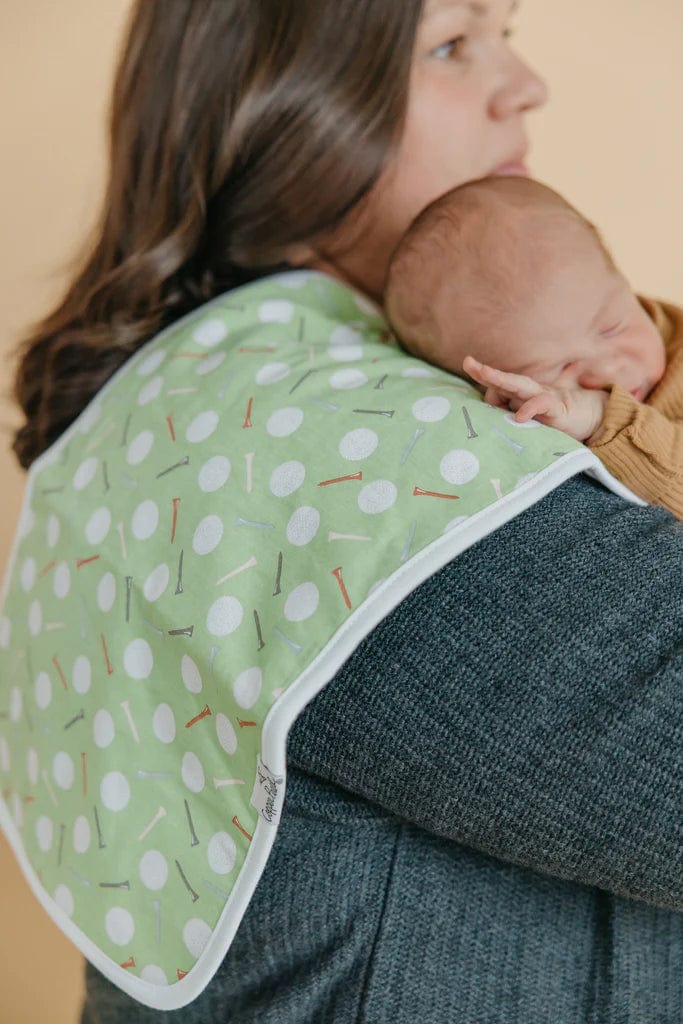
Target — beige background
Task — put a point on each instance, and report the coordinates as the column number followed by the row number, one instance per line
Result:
column 608, row 141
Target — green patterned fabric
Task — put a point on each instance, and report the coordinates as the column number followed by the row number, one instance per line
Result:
column 197, row 555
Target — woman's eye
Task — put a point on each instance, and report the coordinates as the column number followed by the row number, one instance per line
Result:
column 453, row 48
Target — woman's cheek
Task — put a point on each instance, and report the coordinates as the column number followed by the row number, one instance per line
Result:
column 448, row 139
column 438, row 151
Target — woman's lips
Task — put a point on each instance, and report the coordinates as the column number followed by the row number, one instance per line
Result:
column 515, row 167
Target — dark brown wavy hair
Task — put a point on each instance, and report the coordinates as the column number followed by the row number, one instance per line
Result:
column 238, row 128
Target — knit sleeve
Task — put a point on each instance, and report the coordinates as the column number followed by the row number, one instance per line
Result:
column 526, row 700
column 643, row 448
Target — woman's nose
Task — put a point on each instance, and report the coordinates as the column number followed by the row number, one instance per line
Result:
column 521, row 90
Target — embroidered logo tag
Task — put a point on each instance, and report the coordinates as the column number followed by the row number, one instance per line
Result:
column 267, row 794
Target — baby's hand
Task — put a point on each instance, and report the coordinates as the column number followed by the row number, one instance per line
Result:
column 576, row 411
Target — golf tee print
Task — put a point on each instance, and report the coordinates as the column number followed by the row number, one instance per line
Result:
column 196, row 557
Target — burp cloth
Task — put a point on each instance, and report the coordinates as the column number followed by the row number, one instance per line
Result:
column 197, row 555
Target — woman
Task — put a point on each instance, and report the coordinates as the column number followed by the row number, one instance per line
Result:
column 482, row 828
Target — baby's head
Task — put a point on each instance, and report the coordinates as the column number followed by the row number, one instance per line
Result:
column 505, row 270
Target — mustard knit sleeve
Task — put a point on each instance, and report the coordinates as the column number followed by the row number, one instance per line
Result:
column 644, row 449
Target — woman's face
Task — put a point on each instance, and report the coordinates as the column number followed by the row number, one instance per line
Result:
column 469, row 94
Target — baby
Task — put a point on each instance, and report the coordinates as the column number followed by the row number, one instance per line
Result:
column 503, row 281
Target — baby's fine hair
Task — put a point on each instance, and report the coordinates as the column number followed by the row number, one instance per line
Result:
column 477, row 253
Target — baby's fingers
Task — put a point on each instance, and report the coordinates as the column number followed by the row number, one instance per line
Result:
column 492, row 396
column 546, row 404
column 511, row 383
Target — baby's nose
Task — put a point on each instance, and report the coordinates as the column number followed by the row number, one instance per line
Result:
column 597, row 376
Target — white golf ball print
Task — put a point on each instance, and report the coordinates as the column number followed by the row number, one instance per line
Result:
column 210, row 332
column 459, row 467
column 246, row 688
column 358, row 444
column 221, row 853
column 302, row 602
column 377, row 497
column 224, row 616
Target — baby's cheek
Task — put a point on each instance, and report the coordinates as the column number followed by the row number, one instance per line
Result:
column 649, row 345
column 658, row 358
